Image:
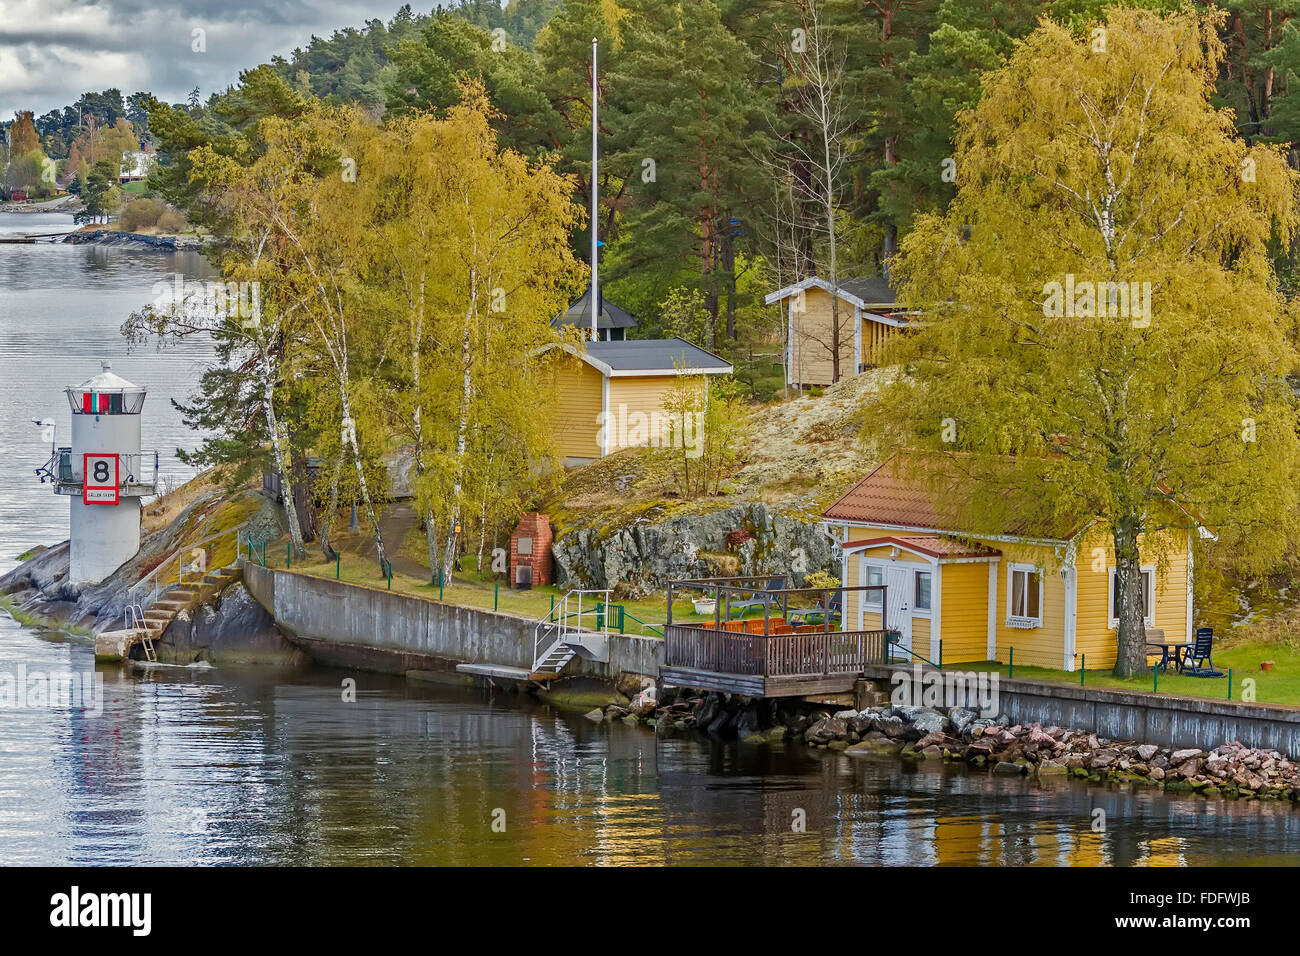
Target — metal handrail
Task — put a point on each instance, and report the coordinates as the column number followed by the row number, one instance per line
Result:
column 892, row 644
column 562, row 627
column 154, row 576
column 133, row 468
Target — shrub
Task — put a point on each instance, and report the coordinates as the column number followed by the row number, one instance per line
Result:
column 172, row 221
column 141, row 214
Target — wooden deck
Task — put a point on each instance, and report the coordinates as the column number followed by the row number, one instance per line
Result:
column 768, row 665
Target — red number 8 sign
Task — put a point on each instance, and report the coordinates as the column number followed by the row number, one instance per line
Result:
column 100, row 484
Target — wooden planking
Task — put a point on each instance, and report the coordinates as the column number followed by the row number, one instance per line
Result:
column 749, row 686
column 812, row 358
column 577, row 409
column 770, row 665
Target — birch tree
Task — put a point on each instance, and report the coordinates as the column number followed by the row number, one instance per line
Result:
column 1103, row 329
column 809, row 162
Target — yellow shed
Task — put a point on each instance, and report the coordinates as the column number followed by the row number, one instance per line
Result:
column 1048, row 593
column 868, row 319
column 611, row 396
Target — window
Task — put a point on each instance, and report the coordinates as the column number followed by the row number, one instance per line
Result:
column 922, row 602
column 1148, row 596
column 875, row 578
column 1024, row 596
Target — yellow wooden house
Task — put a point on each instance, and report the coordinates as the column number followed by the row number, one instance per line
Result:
column 1045, row 594
column 610, row 394
column 868, row 319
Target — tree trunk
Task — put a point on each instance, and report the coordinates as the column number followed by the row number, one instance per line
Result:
column 462, row 437
column 280, row 455
column 1131, row 636
column 332, row 509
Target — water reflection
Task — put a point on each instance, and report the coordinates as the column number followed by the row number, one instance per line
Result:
column 261, row 766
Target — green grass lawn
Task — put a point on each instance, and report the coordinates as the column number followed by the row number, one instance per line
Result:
column 472, row 591
column 645, row 616
column 1281, row 685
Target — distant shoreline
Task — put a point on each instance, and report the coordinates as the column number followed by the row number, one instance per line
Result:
column 63, row 204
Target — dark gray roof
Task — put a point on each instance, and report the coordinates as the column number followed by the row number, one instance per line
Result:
column 654, row 355
column 579, row 315
column 870, row 290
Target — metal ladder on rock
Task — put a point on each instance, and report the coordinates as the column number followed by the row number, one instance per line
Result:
column 560, row 637
column 133, row 620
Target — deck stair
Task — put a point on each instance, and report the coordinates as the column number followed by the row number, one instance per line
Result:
column 576, row 626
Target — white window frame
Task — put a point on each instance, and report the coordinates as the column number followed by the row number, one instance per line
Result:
column 1111, row 578
column 872, row 599
column 1019, row 620
column 917, row 610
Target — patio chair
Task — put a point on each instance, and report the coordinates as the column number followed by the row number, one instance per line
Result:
column 836, row 606
column 1198, row 662
column 757, row 598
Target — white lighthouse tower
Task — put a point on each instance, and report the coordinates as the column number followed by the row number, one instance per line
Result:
column 105, row 475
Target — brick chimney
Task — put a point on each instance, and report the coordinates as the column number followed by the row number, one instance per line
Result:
column 530, row 551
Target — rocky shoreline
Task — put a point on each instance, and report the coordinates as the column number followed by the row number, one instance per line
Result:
column 135, row 240
column 959, row 735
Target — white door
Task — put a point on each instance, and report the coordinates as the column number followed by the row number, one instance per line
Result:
column 898, row 603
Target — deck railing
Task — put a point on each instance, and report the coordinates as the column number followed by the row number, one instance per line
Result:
column 772, row 655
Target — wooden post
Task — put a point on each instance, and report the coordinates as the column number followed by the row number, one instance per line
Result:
column 670, row 603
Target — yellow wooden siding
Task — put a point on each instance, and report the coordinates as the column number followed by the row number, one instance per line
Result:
column 811, row 338
column 964, row 600
column 963, row 611
column 1095, row 636
column 634, row 404
column 577, row 409
column 876, row 338
column 1037, row 646
column 921, row 636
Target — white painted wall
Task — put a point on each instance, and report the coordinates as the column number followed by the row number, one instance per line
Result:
column 102, row 538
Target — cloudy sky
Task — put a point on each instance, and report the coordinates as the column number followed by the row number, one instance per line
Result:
column 51, row 51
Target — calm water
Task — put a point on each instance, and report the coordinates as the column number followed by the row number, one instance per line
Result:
column 262, row 766
column 60, row 311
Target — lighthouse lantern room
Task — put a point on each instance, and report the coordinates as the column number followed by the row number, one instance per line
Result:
column 104, row 474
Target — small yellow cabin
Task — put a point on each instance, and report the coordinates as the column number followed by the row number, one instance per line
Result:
column 1048, row 593
column 611, row 395
column 868, row 319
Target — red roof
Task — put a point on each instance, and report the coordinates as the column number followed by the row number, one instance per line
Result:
column 934, row 545
column 926, row 492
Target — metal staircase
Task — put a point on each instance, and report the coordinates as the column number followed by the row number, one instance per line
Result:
column 560, row 636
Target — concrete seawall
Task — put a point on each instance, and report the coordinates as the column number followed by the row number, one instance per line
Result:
column 1169, row 721
column 358, row 626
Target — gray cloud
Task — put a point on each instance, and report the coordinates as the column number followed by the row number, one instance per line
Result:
column 52, row 51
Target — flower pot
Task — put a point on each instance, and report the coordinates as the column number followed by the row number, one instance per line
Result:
column 1266, row 665
column 705, row 605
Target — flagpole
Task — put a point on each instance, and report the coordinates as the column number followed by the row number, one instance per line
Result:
column 595, row 264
